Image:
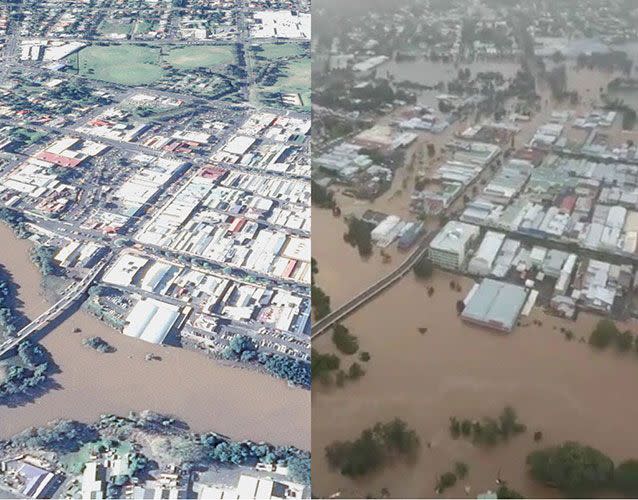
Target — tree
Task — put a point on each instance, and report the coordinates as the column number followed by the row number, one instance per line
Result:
column 345, row 342
column 359, row 235
column 604, row 334
column 299, row 468
column 573, row 468
column 626, row 478
column 446, row 481
column 355, row 371
column 455, row 427
column 509, row 423
column 461, row 469
column 323, row 363
column 504, row 492
column 423, row 268
column 466, row 427
column 375, row 447
column 624, row 341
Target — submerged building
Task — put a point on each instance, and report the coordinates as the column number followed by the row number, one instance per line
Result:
column 494, row 304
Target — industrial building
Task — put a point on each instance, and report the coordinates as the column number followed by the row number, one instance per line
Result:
column 151, row 320
column 483, row 261
column 494, row 304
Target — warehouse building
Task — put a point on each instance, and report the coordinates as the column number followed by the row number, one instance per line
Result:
column 494, row 304
column 483, row 260
column 151, row 320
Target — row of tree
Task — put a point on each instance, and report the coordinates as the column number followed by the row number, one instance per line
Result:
column 185, row 448
column 606, row 334
column 242, row 348
column 582, row 471
column 376, row 447
column 25, row 372
column 488, row 431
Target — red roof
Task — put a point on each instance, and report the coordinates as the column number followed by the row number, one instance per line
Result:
column 214, row 173
column 568, row 204
column 62, row 161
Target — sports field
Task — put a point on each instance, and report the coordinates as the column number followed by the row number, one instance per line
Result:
column 123, row 64
column 200, row 56
column 296, row 80
column 280, row 50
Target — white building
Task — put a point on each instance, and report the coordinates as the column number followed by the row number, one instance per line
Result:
column 483, row 260
column 449, row 247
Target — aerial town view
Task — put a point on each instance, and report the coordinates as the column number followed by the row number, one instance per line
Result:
column 475, row 248
column 155, row 272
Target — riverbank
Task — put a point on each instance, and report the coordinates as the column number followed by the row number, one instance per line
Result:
column 242, row 404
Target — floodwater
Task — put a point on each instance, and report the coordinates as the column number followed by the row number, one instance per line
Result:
column 562, row 388
column 430, row 73
column 208, row 396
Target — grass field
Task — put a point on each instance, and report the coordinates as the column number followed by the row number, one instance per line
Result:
column 280, row 50
column 117, row 28
column 200, row 56
column 123, row 64
column 296, row 80
column 143, row 26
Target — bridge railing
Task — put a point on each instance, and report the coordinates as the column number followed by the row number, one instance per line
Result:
column 320, row 326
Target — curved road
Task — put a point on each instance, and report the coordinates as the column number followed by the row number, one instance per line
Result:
column 320, row 327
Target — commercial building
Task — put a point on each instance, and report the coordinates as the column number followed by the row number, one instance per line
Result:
column 449, row 248
column 483, row 261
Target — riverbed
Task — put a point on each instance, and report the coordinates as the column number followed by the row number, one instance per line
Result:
column 206, row 395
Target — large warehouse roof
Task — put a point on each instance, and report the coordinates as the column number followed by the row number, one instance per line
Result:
column 495, row 304
column 151, row 320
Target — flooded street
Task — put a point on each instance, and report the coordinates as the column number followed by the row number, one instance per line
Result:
column 207, row 395
column 562, row 388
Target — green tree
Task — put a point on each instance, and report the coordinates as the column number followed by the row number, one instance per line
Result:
column 626, row 478
column 504, row 492
column 575, row 469
column 461, row 469
column 344, row 340
column 604, row 334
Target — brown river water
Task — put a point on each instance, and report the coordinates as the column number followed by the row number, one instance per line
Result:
column 561, row 388
column 208, row 396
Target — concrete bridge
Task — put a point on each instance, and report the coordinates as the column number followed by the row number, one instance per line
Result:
column 320, row 327
column 75, row 292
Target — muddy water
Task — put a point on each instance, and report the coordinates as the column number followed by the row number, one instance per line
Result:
column 208, row 396
column 562, row 388
column 26, row 278
column 430, row 73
